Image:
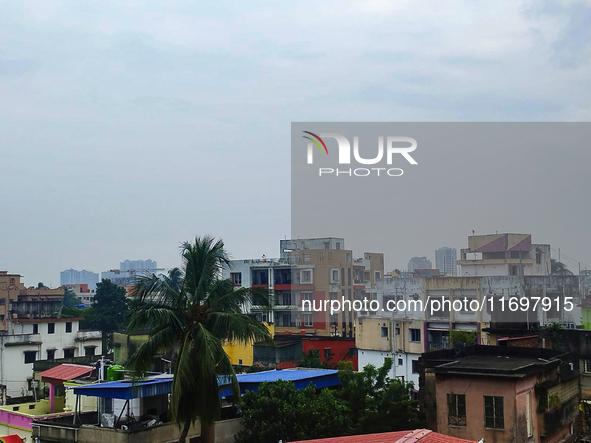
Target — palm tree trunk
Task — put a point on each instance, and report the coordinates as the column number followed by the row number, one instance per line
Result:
column 208, row 432
column 183, row 437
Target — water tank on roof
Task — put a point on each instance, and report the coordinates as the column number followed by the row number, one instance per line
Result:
column 115, row 373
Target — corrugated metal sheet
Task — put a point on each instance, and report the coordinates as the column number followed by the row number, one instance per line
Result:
column 126, row 390
column 65, row 372
column 320, row 378
column 416, row 436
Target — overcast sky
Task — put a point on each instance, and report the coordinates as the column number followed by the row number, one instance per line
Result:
column 127, row 127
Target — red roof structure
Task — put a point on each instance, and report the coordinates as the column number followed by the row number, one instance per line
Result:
column 11, row 439
column 416, row 436
column 64, row 372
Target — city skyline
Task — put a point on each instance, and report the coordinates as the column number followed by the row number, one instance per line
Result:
column 90, row 90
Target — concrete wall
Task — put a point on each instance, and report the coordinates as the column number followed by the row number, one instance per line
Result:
column 166, row 433
column 14, row 372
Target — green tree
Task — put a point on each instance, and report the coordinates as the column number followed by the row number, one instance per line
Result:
column 377, row 402
column 69, row 299
column 192, row 319
column 278, row 411
column 109, row 310
column 311, row 360
column 466, row 338
column 559, row 268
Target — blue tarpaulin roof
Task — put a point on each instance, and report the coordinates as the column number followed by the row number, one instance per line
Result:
column 126, row 390
column 320, row 378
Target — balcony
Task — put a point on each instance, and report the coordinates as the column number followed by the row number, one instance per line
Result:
column 22, row 339
column 88, row 335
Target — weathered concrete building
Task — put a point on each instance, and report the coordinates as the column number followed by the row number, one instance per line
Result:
column 309, row 270
column 504, row 254
column 501, row 394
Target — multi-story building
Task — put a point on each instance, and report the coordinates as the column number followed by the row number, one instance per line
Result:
column 414, row 328
column 313, row 270
column 82, row 292
column 419, row 263
column 504, row 254
column 500, row 394
column 446, row 260
column 138, row 265
column 32, row 339
column 74, row 277
column 128, row 269
column 14, row 293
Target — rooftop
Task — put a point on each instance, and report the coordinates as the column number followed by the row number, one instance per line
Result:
column 416, row 436
column 493, row 361
column 127, row 389
column 65, row 372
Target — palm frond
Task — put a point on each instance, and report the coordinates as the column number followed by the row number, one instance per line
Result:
column 236, row 327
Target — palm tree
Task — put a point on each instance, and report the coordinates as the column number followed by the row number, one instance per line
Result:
column 191, row 312
column 559, row 268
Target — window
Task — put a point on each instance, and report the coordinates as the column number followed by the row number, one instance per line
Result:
column 306, row 257
column 51, row 328
column 68, row 353
column 327, row 354
column 338, row 245
column 377, row 275
column 349, row 276
column 2, row 301
column 334, row 275
column 366, row 276
column 308, row 320
column 68, row 326
column 307, row 296
column 343, row 276
column 414, row 335
column 585, row 366
column 384, row 331
column 35, row 328
column 240, row 361
column 347, row 257
column 493, row 412
column 415, row 366
column 538, row 258
column 306, row 276
column 236, row 278
column 326, row 245
column 30, row 356
column 456, row 409
column 89, row 351
column 397, row 331
column 51, row 354
column 400, row 363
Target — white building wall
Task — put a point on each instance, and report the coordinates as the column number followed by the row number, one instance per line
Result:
column 376, row 358
column 14, row 372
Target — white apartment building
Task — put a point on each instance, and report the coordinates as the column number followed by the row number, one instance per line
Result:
column 28, row 340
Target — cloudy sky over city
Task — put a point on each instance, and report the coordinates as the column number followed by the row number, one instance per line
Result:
column 127, row 127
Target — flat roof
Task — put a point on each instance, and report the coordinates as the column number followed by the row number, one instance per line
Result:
column 301, row 378
column 126, row 390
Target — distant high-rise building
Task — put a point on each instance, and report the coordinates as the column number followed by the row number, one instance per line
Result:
column 74, row 277
column 446, row 260
column 128, row 270
column 137, row 265
column 419, row 263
